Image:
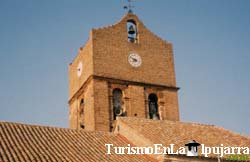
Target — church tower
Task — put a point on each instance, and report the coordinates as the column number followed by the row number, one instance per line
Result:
column 123, row 70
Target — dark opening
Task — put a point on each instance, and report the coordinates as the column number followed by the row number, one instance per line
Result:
column 82, row 126
column 82, row 107
column 153, row 106
column 82, row 101
column 132, row 31
column 82, row 113
column 117, row 103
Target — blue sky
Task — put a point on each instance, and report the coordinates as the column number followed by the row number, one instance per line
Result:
column 211, row 38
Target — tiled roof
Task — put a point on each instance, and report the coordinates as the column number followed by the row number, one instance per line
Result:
column 179, row 133
column 21, row 142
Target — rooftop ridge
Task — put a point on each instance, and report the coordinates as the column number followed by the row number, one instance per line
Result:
column 186, row 123
column 112, row 25
column 54, row 128
column 124, row 17
column 230, row 131
column 214, row 126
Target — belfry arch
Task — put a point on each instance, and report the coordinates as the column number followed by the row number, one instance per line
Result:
column 117, row 103
column 153, row 106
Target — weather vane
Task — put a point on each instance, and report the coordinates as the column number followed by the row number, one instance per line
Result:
column 129, row 6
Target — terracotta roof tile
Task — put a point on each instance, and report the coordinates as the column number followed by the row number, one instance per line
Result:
column 172, row 132
column 21, row 142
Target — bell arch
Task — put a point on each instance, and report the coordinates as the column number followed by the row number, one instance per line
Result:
column 153, row 106
column 117, row 103
column 132, row 31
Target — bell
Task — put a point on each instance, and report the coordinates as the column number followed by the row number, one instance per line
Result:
column 118, row 111
column 131, row 30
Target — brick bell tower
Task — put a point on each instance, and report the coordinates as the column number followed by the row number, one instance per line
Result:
column 123, row 70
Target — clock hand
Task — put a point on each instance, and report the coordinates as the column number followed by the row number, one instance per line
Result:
column 133, row 59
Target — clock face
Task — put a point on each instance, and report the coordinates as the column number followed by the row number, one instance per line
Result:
column 79, row 69
column 134, row 59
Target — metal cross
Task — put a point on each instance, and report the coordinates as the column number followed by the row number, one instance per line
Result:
column 129, row 6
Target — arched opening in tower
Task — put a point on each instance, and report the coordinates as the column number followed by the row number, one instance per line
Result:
column 117, row 103
column 153, row 107
column 132, row 31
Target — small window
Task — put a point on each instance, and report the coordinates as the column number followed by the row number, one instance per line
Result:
column 81, row 114
column 82, row 126
column 132, row 31
column 82, row 101
column 82, row 107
